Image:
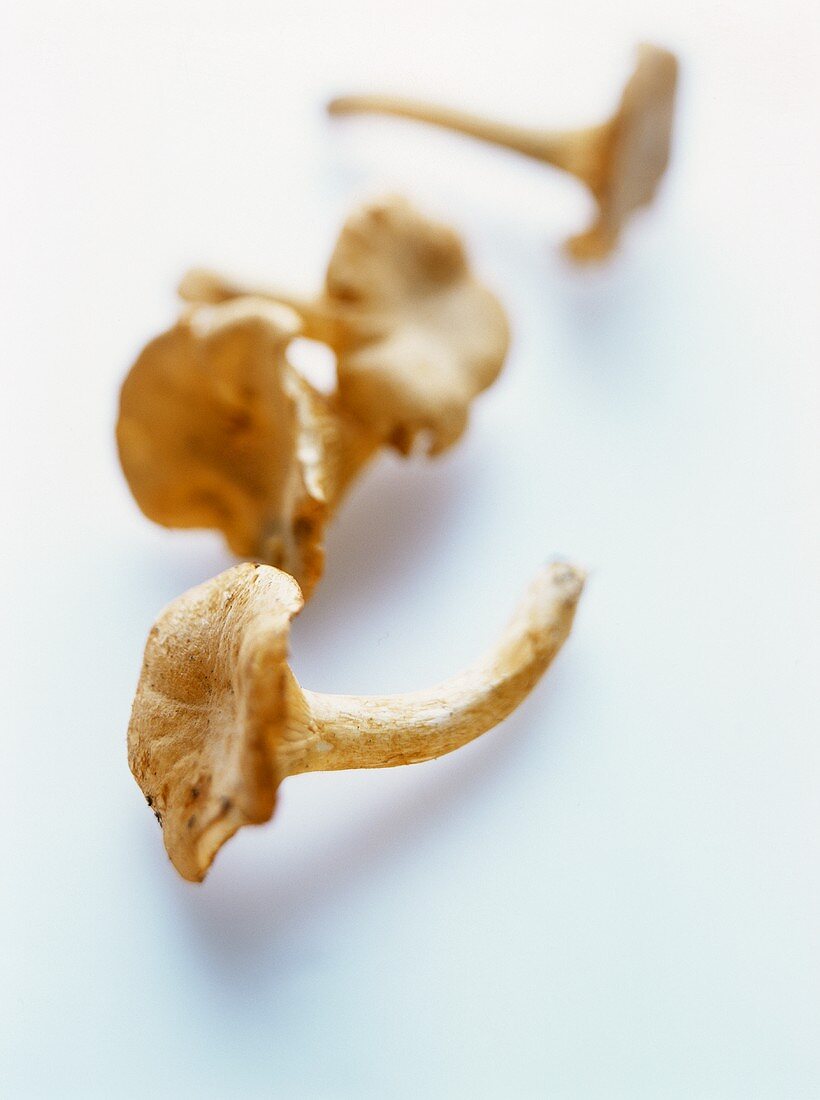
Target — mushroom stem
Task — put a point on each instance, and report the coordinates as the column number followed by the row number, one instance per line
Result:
column 201, row 286
column 334, row 732
column 572, row 151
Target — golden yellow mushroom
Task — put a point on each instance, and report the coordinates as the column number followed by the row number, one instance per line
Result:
column 217, row 429
column 416, row 335
column 218, row 719
column 621, row 161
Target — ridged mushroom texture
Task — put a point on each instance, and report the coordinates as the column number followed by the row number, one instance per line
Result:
column 416, row 335
column 219, row 721
column 621, row 161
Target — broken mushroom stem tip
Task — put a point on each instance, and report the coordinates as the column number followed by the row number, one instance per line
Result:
column 348, row 731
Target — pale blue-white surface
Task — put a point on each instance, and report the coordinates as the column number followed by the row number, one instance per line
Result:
column 616, row 893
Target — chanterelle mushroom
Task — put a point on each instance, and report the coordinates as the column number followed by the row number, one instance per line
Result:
column 219, row 720
column 217, row 429
column 620, row 161
column 416, row 335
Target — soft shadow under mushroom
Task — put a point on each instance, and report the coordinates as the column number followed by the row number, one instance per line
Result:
column 246, row 931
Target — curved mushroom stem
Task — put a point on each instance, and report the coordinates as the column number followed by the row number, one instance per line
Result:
column 573, row 151
column 332, row 732
column 201, row 286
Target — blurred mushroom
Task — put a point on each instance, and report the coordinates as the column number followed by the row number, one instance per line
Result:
column 217, row 429
column 416, row 335
column 218, row 719
column 620, row 161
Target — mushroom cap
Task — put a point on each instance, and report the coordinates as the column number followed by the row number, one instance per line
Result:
column 634, row 153
column 217, row 429
column 417, row 336
column 211, row 709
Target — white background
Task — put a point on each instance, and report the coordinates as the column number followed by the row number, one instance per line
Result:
column 617, row 893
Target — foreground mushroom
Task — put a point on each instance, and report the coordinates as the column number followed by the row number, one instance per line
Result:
column 416, row 335
column 620, row 161
column 218, row 719
column 217, row 429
